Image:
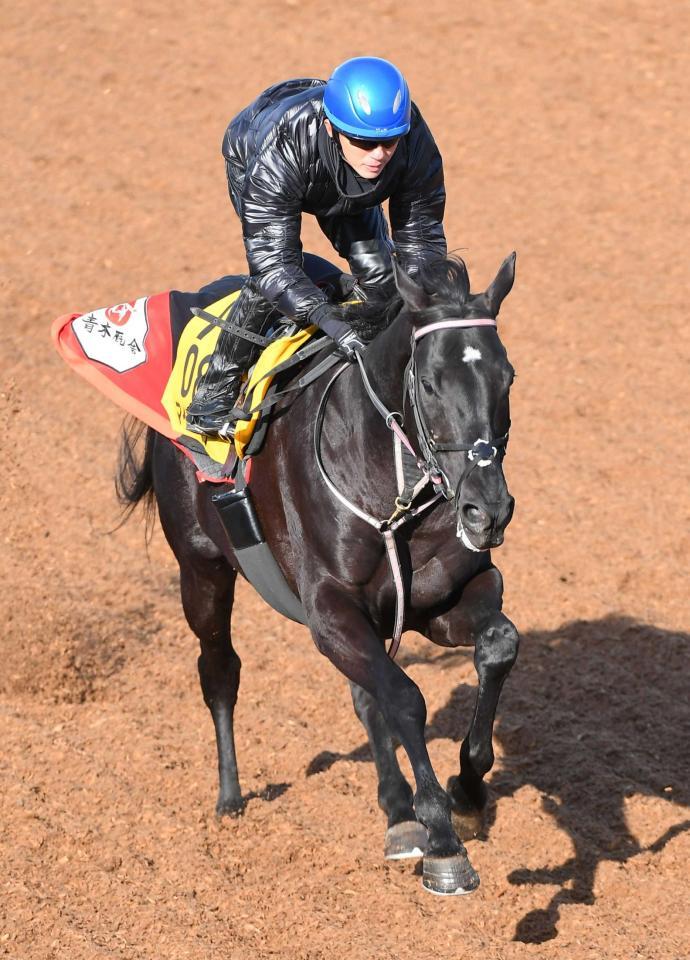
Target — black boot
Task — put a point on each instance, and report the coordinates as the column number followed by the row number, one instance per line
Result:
column 210, row 412
column 211, row 409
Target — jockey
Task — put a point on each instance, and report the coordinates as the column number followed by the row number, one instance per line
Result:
column 336, row 150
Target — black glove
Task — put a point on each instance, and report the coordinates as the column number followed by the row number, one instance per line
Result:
column 350, row 345
column 341, row 288
column 331, row 319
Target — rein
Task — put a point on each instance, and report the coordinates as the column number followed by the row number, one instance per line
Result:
column 481, row 453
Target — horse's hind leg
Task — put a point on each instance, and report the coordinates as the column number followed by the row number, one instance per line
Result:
column 207, row 586
column 207, row 590
column 405, row 837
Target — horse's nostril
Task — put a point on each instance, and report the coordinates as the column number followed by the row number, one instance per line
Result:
column 473, row 516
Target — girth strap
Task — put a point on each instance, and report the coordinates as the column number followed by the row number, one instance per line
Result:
column 231, row 327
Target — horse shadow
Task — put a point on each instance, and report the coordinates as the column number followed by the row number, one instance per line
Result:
column 593, row 713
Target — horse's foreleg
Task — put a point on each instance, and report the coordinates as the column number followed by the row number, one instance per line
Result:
column 478, row 619
column 207, row 590
column 346, row 637
column 495, row 650
column 405, row 837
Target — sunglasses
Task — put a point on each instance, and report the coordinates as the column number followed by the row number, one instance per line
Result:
column 362, row 144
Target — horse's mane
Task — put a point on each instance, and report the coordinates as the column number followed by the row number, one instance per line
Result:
column 445, row 282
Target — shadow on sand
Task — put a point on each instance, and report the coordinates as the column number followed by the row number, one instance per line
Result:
column 593, row 712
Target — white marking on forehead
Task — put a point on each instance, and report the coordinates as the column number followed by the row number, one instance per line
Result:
column 471, row 354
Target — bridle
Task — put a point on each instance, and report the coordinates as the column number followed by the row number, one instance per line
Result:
column 481, row 453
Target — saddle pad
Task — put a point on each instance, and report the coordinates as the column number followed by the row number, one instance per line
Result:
column 147, row 356
column 260, row 380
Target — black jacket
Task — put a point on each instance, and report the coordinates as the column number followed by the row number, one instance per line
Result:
column 280, row 164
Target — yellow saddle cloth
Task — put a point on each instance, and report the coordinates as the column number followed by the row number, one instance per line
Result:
column 194, row 350
column 260, row 380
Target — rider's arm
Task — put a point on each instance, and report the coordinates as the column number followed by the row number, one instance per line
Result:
column 416, row 209
column 271, row 224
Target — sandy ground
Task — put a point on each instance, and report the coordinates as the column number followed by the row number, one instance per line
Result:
column 561, row 132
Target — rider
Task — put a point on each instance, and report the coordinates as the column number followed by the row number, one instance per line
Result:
column 336, row 150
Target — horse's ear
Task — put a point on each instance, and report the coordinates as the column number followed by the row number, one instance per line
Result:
column 414, row 296
column 502, row 284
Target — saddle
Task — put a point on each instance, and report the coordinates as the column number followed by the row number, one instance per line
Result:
column 194, row 350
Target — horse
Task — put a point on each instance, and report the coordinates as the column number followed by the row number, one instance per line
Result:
column 438, row 360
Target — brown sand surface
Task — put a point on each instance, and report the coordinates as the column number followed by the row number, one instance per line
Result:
column 561, row 128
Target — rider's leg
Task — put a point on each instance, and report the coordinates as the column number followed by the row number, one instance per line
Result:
column 217, row 390
column 216, row 393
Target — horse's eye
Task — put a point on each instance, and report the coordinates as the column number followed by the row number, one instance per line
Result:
column 428, row 389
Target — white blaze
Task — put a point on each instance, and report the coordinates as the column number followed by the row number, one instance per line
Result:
column 471, row 354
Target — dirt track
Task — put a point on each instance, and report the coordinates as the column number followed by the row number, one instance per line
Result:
column 561, row 134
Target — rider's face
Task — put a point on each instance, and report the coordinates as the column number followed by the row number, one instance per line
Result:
column 366, row 157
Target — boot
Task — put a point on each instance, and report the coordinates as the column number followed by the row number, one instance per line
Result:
column 211, row 410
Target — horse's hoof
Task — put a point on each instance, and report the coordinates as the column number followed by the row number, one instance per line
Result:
column 449, row 876
column 406, row 839
column 230, row 808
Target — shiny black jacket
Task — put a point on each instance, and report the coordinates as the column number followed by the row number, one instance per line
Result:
column 279, row 167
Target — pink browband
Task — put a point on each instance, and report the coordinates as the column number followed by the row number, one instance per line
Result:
column 449, row 324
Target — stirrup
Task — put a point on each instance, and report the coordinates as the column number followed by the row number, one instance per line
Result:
column 209, row 425
column 226, row 431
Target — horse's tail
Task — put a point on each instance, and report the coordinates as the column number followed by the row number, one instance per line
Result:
column 134, row 477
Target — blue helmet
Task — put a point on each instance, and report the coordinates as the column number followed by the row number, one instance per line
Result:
column 368, row 98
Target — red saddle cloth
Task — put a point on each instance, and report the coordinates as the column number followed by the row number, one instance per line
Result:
column 147, row 355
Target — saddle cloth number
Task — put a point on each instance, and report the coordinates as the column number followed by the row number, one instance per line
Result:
column 194, row 352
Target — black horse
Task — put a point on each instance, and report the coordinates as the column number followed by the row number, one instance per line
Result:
column 457, row 388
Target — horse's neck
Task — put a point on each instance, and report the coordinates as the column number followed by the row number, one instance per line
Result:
column 385, row 362
column 363, row 450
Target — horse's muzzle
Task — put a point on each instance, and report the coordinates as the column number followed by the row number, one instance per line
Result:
column 482, row 526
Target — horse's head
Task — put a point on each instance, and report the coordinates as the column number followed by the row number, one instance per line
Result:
column 458, row 382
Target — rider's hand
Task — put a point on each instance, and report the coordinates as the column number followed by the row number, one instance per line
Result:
column 332, row 321
column 350, row 345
